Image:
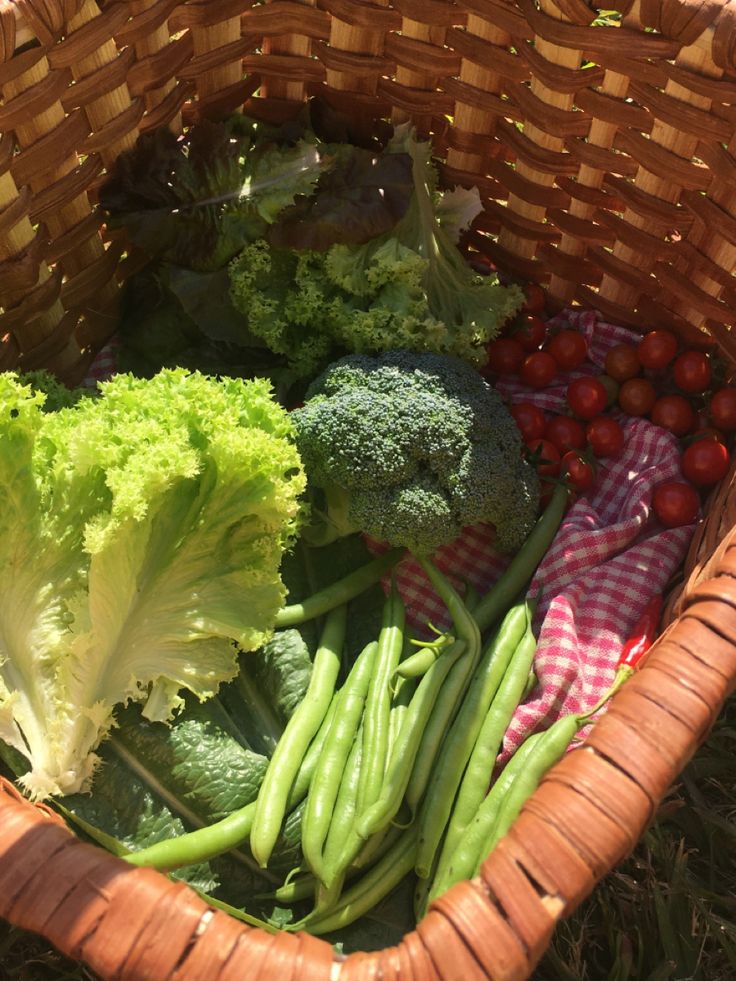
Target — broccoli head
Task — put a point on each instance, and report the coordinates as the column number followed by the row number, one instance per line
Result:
column 412, row 448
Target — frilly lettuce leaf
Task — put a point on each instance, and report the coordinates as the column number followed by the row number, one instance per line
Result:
column 142, row 534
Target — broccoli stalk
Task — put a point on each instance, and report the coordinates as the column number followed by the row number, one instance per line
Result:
column 410, row 449
column 332, row 520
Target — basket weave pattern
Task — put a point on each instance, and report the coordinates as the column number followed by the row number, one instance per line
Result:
column 619, row 192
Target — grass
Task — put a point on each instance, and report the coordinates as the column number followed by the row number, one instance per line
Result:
column 668, row 913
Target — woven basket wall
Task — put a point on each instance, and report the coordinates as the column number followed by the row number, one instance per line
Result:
column 618, row 191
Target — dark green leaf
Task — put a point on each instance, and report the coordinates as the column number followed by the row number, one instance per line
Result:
column 361, row 197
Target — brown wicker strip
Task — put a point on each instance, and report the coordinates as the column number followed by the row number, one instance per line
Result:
column 559, row 78
column 437, row 13
column 478, row 51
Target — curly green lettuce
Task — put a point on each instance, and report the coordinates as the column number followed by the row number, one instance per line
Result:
column 406, row 289
column 141, row 536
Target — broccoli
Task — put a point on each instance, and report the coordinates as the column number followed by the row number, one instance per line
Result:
column 411, row 448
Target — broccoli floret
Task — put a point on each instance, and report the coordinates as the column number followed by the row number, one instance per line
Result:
column 412, row 448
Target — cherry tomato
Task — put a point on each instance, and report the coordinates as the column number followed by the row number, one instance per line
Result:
column 531, row 333
column 708, row 432
column 637, row 396
column 545, row 456
column 675, row 413
column 611, row 386
column 605, row 436
column 505, row 356
column 530, row 420
column 587, row 397
column 675, row 503
column 705, row 462
column 579, row 472
column 538, row 369
column 565, row 432
column 622, row 362
column 656, row 349
column 723, row 409
column 536, row 299
column 569, row 349
column 692, row 372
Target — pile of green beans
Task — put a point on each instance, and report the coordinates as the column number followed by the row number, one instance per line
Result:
column 392, row 769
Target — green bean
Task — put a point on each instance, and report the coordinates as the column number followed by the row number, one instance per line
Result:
column 531, row 684
column 435, row 731
column 299, row 731
column 407, row 744
column 524, row 564
column 343, row 814
column 294, row 891
column 458, row 862
column 545, row 753
column 465, row 624
column 420, row 662
column 367, row 891
column 305, row 886
column 331, row 766
column 375, row 846
column 423, row 888
column 207, row 843
column 378, row 703
column 339, row 592
column 471, row 597
column 453, row 691
column 462, row 736
column 402, row 697
column 483, row 757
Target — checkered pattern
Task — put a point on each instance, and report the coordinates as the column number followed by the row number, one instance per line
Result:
column 609, row 558
column 104, row 364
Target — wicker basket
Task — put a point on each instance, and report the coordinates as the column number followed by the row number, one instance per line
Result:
column 618, row 192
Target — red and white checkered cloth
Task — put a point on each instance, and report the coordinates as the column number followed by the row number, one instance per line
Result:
column 609, row 558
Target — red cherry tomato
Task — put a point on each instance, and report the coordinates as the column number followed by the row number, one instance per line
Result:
column 605, row 436
column 692, row 372
column 675, row 503
column 622, row 362
column 536, row 299
column 708, row 432
column 569, row 349
column 675, row 413
column 705, row 462
column 565, row 432
column 530, row 420
column 611, row 386
column 656, row 349
column 637, row 396
column 505, row 356
column 545, row 456
column 531, row 333
column 578, row 471
column 587, row 397
column 723, row 409
column 538, row 369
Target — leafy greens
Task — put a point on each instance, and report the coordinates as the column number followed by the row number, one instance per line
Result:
column 141, row 535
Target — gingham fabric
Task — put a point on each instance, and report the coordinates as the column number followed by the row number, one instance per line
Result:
column 609, row 558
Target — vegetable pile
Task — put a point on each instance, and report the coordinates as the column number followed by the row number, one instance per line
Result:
column 279, row 250
column 192, row 625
